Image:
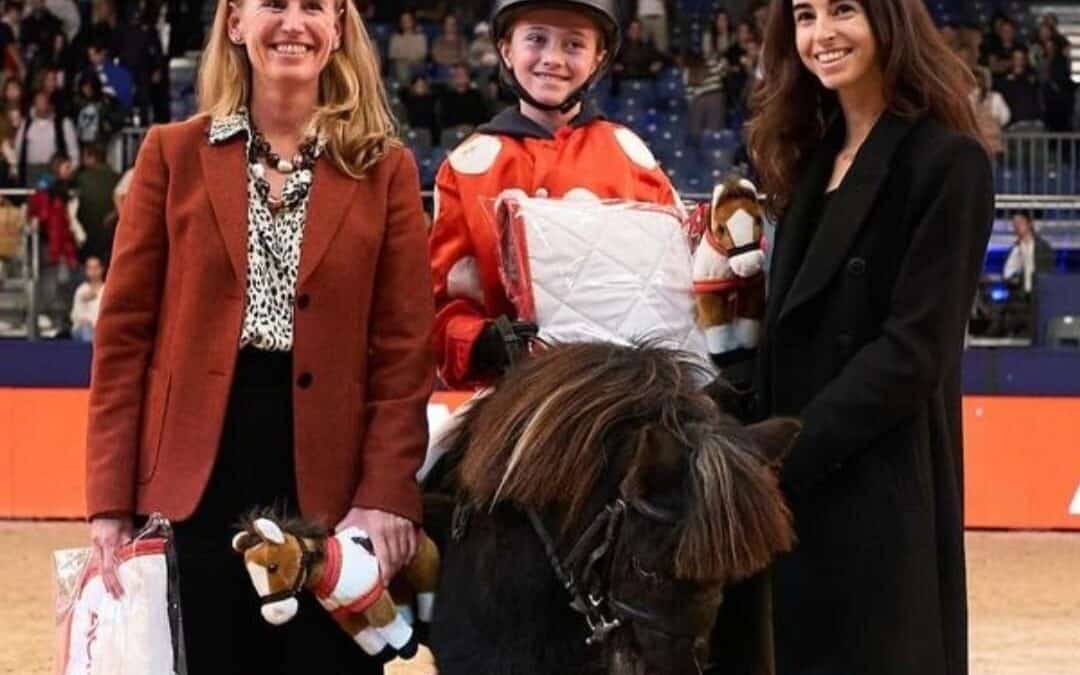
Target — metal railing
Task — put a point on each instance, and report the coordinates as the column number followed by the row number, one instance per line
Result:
column 1037, row 163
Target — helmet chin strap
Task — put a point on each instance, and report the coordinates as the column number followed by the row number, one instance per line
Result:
column 566, row 106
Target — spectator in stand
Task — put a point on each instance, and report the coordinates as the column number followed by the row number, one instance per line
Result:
column 1053, row 67
column 87, row 300
column 742, row 59
column 449, row 47
column 462, row 104
column 11, row 62
column 408, row 48
column 116, row 80
column 51, row 80
column 1023, row 93
column 653, row 15
column 704, row 78
column 483, row 58
column 1003, row 45
column 50, row 210
column 638, row 59
column 420, row 106
column 108, row 227
column 718, row 38
column 1030, row 254
column 991, row 110
column 95, row 182
column 43, row 135
column 38, row 29
column 98, row 116
column 144, row 56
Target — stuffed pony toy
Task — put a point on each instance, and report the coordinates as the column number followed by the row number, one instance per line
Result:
column 729, row 272
column 285, row 556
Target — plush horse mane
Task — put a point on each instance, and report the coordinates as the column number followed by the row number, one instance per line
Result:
column 295, row 525
column 546, row 435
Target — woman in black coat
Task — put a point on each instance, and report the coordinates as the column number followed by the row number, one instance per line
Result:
column 870, row 153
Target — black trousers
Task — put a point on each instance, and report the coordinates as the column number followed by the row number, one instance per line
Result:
column 223, row 628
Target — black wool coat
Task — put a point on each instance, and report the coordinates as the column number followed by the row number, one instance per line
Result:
column 863, row 336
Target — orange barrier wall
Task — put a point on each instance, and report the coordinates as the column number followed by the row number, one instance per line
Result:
column 1022, row 457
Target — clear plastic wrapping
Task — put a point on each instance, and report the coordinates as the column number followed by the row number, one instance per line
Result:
column 586, row 269
column 139, row 633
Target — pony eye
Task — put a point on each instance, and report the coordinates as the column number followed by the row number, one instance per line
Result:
column 272, row 568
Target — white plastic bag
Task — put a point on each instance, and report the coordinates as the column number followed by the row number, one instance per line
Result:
column 586, row 269
column 137, row 634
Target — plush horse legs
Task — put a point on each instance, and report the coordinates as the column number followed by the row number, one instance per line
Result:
column 422, row 574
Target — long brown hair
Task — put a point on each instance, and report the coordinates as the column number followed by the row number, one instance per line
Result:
column 792, row 110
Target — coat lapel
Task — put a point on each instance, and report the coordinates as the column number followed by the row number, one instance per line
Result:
column 331, row 195
column 226, row 183
column 796, row 226
column 847, row 210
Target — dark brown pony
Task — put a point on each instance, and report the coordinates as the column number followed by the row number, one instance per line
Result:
column 602, row 476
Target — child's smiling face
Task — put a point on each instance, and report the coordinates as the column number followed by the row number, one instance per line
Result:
column 552, row 52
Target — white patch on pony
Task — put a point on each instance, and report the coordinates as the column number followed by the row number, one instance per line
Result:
column 280, row 612
column 748, row 332
column 476, row 155
column 370, row 641
column 580, row 194
column 405, row 612
column 721, row 339
column 425, row 606
column 269, row 531
column 397, row 632
column 635, row 148
column 741, row 227
column 748, row 264
column 237, row 539
column 259, row 578
column 463, row 280
column 744, row 183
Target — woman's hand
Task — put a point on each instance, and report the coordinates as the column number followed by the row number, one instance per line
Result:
column 106, row 535
column 393, row 536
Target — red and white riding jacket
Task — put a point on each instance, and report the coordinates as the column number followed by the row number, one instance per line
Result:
column 591, row 157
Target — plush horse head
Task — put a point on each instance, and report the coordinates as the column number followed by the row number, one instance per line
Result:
column 736, row 226
column 284, row 556
column 626, row 500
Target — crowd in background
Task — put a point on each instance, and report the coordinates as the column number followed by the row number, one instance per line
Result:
column 77, row 72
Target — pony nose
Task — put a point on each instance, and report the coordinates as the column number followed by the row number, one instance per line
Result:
column 277, row 613
column 749, row 263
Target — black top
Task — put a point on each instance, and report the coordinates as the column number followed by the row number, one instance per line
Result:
column 511, row 122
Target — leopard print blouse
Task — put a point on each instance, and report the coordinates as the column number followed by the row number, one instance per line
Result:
column 274, row 241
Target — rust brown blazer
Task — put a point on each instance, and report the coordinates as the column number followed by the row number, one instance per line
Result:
column 167, row 338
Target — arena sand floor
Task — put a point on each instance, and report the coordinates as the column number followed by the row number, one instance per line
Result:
column 1024, row 594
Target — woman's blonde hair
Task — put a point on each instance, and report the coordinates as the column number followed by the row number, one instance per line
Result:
column 352, row 112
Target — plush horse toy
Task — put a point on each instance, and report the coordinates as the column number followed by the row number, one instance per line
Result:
column 284, row 556
column 729, row 276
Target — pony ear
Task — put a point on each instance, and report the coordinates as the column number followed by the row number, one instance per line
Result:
column 775, row 437
column 269, row 531
column 242, row 541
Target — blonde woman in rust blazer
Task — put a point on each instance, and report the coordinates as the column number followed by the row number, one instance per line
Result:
column 265, row 337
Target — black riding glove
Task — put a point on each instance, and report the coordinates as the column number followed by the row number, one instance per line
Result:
column 500, row 343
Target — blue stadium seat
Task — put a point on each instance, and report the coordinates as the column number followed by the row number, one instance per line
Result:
column 418, row 139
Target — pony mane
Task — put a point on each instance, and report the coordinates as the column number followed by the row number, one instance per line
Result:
column 556, row 422
column 545, row 435
column 295, row 525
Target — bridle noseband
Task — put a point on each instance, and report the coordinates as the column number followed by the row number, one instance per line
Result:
column 307, row 557
column 590, row 592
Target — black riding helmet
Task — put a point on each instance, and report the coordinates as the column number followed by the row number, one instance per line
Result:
column 602, row 11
